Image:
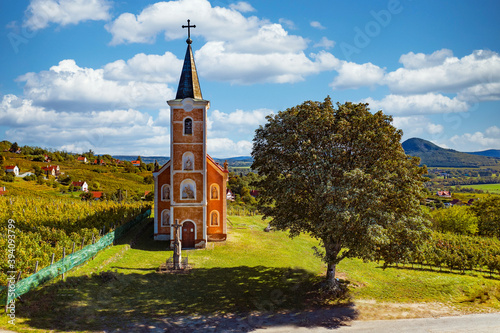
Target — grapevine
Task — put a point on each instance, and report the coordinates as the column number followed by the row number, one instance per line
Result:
column 44, row 226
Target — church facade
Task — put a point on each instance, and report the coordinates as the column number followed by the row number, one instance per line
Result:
column 190, row 189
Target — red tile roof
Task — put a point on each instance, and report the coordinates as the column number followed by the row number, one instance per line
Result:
column 216, row 164
column 50, row 167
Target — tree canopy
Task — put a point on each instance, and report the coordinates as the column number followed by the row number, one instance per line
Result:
column 341, row 175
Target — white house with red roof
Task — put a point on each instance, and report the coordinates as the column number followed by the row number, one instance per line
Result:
column 51, row 170
column 81, row 186
column 82, row 159
column 443, row 194
column 12, row 168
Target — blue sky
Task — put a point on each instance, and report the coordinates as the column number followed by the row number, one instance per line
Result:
column 95, row 74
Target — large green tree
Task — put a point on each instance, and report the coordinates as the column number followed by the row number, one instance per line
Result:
column 341, row 175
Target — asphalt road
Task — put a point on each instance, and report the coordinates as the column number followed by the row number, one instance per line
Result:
column 477, row 323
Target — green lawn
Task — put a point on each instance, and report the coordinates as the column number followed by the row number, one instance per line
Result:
column 252, row 271
column 492, row 188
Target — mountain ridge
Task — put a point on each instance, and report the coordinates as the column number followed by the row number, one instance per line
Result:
column 434, row 156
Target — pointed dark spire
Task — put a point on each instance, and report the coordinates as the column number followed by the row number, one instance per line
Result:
column 189, row 86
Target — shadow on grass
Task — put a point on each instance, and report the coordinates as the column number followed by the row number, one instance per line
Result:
column 238, row 299
column 485, row 274
column 141, row 238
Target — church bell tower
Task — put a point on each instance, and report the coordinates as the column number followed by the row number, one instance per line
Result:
column 191, row 187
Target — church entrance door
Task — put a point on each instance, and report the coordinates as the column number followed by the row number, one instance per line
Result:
column 187, row 234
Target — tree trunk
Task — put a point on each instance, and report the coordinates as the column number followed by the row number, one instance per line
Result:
column 330, row 274
column 332, row 250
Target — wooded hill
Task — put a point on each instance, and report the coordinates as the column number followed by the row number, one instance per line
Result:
column 434, row 156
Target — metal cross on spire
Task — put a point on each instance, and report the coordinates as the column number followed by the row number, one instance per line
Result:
column 189, row 41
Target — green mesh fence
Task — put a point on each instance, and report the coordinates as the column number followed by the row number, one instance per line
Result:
column 69, row 262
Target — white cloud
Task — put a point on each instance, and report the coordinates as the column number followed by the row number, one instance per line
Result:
column 449, row 74
column 40, row 13
column 111, row 131
column 146, row 68
column 353, row 76
column 242, row 7
column 493, row 131
column 228, row 133
column 72, row 88
column 421, row 60
column 237, row 122
column 168, row 17
column 325, row 42
column 287, row 23
column 417, row 126
column 224, row 147
column 255, row 51
column 119, row 131
column 481, row 92
column 269, row 39
column 429, row 103
column 216, row 62
column 317, row 25
column 490, row 139
column 15, row 112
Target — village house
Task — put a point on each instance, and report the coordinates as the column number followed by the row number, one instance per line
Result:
column 229, row 195
column 254, row 193
column 80, row 186
column 136, row 163
column 51, row 170
column 82, row 159
column 2, row 190
column 97, row 195
column 99, row 162
column 190, row 187
column 13, row 169
column 443, row 194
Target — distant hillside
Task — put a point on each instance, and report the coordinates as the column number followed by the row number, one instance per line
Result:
column 145, row 159
column 232, row 161
column 435, row 156
column 489, row 152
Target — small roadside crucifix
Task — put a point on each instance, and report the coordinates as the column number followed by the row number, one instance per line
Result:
column 189, row 41
column 177, row 245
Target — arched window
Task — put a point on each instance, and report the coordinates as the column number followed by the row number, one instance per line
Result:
column 214, row 218
column 188, row 189
column 165, row 218
column 188, row 126
column 188, row 161
column 214, row 192
column 165, row 192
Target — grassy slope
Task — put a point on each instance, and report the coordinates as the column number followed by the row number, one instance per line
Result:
column 252, row 271
column 110, row 178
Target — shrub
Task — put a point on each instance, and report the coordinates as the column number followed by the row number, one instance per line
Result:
column 456, row 219
column 9, row 177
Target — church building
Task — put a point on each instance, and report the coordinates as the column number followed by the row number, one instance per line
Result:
column 190, row 188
